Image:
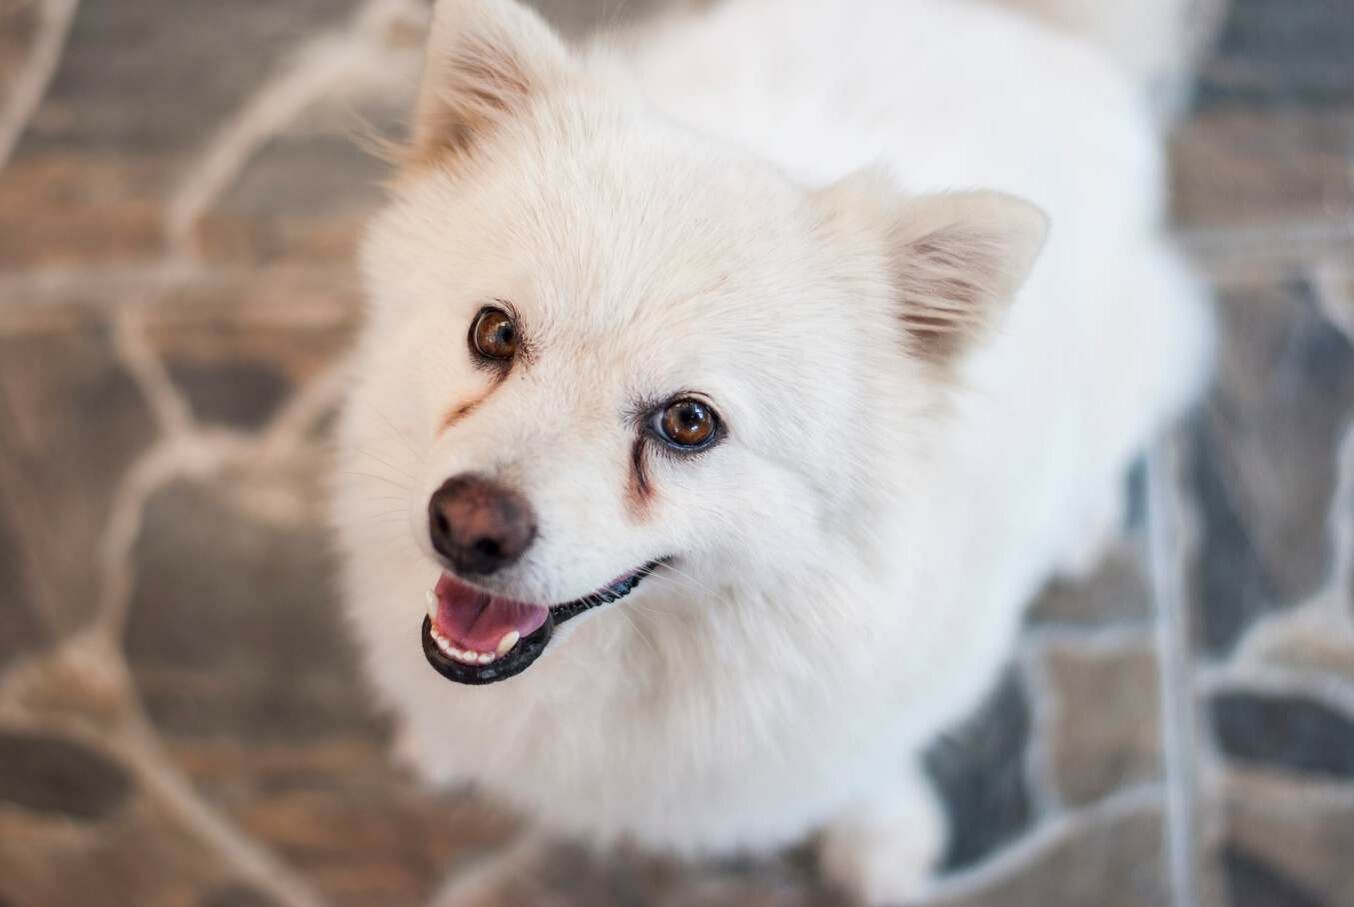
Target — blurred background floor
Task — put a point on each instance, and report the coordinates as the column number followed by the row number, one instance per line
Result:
column 180, row 718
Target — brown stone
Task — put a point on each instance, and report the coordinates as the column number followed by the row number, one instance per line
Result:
column 1106, row 732
column 139, row 91
column 1116, row 593
column 141, row 856
column 1301, row 835
column 1113, row 862
column 18, row 24
column 238, row 347
column 1263, row 459
column 336, row 811
column 55, row 775
column 235, row 626
column 1242, row 169
column 308, row 192
column 73, row 421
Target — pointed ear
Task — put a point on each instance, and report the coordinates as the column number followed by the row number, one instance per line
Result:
column 956, row 260
column 486, row 59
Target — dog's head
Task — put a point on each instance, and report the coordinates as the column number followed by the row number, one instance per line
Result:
column 602, row 346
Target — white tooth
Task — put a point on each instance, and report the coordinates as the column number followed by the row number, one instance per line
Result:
column 431, row 598
column 507, row 642
column 485, row 658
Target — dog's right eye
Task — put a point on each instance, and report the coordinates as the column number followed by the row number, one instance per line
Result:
column 494, row 335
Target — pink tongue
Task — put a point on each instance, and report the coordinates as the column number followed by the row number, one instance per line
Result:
column 477, row 620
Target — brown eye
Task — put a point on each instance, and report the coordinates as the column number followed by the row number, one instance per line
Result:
column 494, row 335
column 687, row 423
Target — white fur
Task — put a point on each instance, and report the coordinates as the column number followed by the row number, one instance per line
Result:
column 677, row 212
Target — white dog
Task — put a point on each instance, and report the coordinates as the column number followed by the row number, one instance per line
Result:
column 835, row 324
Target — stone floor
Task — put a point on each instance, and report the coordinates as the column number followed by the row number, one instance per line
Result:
column 180, row 720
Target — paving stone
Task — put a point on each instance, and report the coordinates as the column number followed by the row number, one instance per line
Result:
column 239, row 347
column 117, row 128
column 1106, row 724
column 1252, row 883
column 18, row 24
column 1281, row 845
column 980, row 770
column 1284, row 733
column 578, row 17
column 1252, row 170
column 1295, row 52
column 236, row 895
column 1263, row 462
column 1116, row 593
column 335, row 809
column 308, row 192
column 235, row 627
column 139, row 856
column 21, row 628
column 1109, row 863
column 58, row 776
column 73, row 421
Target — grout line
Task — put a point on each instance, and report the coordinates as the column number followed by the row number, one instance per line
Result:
column 1276, row 680
column 1045, row 838
column 303, row 411
column 320, row 65
column 31, row 85
column 1341, row 534
column 1166, row 538
column 163, row 778
column 171, row 410
column 1045, row 705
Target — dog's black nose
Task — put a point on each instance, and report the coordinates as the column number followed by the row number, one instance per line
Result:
column 478, row 525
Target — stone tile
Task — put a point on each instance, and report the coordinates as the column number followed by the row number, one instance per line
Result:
column 21, row 628
column 1106, row 723
column 1284, row 733
column 18, row 24
column 1116, row 593
column 1295, row 52
column 1253, row 883
column 73, row 421
column 235, row 626
column 236, row 895
column 980, row 771
column 1248, row 169
column 567, row 876
column 309, row 191
column 579, row 17
column 337, row 812
column 61, row 777
column 117, row 128
column 1263, row 464
column 1281, row 847
column 140, row 856
column 1109, row 863
column 239, row 347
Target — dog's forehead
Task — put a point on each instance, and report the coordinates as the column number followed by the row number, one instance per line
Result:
column 625, row 226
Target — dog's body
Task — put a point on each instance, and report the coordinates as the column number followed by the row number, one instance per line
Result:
column 904, row 458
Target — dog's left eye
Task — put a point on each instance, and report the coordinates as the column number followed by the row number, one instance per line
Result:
column 494, row 334
column 687, row 423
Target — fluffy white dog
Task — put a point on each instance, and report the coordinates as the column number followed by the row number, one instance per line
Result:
column 726, row 392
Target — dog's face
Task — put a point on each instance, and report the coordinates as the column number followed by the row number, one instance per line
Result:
column 601, row 347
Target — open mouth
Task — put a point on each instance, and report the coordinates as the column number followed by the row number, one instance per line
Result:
column 471, row 636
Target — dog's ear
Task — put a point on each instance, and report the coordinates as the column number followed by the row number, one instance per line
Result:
column 486, row 59
column 954, row 259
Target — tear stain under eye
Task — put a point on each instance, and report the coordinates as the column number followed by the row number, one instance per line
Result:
column 461, row 410
column 639, row 494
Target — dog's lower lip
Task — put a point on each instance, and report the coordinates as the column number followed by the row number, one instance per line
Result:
column 527, row 649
